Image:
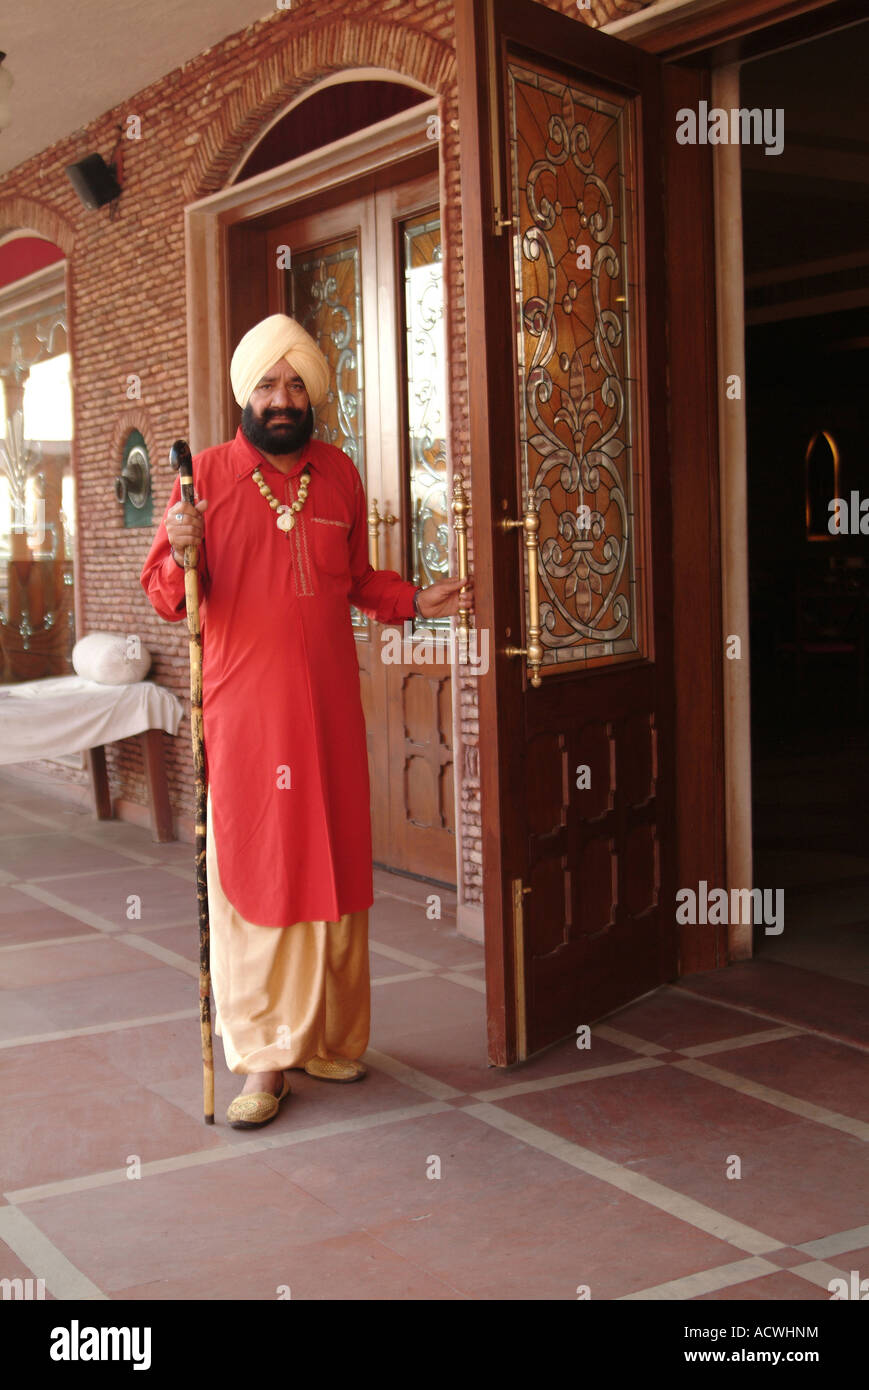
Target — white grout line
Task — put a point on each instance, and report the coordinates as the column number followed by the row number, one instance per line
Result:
column 221, row 1152
column 448, row 907
column 48, row 818
column 846, row 1123
column 707, row 1280
column 819, row 1273
column 80, row 914
column 103, row 936
column 614, row 1035
column 72, row 873
column 89, row 836
column 472, row 965
column 397, row 979
column 547, row 1083
column 766, row 1035
column 93, row 1028
column 188, row 920
column 466, row 980
column 774, row 1018
column 656, row 1194
column 409, row 1076
column 42, row 1256
column 403, row 957
column 697, row 1214
column 150, row 861
column 153, row 948
column 53, row 941
column 838, row 1244
column 179, row 870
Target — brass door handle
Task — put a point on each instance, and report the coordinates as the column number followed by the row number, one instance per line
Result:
column 375, row 521
column 530, row 523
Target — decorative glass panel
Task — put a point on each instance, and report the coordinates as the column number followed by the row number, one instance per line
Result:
column 324, row 296
column 571, row 173
column 425, row 405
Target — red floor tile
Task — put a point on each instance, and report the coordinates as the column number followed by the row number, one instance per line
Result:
column 799, row 1181
column 136, row 1232
column 353, row 1266
column 24, row 919
column 790, row 995
column 825, row 1073
column 79, row 1131
column 158, row 1052
column 67, row 961
column 42, row 1070
column 545, row 1243
column 38, row 856
column 163, row 897
column 79, row 1003
column 668, row 1019
column 422, row 1005
column 662, row 1113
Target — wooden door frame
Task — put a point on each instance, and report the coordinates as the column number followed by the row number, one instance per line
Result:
column 718, row 33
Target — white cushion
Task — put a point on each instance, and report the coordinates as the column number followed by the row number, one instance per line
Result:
column 111, row 658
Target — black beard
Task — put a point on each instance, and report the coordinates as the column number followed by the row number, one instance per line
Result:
column 277, row 441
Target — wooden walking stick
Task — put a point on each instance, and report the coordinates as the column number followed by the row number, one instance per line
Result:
column 180, row 458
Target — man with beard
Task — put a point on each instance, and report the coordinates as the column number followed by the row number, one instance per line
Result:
column 283, row 556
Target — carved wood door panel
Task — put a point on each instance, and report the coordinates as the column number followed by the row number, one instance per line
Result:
column 564, row 276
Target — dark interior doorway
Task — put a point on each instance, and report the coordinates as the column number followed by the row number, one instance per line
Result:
column 806, row 245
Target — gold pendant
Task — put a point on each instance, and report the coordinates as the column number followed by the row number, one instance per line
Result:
column 287, row 519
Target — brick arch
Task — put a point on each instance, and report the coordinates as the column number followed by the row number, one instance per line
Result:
column 306, row 58
column 27, row 214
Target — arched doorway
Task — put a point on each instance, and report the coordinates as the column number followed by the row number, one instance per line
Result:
column 37, row 489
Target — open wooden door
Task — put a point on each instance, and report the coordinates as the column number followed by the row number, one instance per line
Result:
column 563, row 138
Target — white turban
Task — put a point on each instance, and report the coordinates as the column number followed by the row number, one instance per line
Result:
column 276, row 337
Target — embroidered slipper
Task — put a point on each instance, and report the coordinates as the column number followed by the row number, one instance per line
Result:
column 335, row 1069
column 256, row 1108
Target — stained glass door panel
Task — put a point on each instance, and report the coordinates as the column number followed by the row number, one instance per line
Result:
column 324, row 293
column 425, row 402
column 571, row 159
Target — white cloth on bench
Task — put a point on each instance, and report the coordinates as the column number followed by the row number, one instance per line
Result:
column 67, row 714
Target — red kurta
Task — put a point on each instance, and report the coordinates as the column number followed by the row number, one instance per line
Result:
column 282, row 712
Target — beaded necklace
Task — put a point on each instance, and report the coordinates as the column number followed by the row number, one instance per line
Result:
column 286, row 518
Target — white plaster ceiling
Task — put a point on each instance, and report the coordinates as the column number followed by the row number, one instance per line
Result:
column 72, row 60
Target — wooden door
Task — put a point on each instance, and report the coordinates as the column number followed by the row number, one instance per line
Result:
column 348, row 274
column 562, row 183
column 418, row 688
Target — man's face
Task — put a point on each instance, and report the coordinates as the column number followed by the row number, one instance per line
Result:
column 278, row 418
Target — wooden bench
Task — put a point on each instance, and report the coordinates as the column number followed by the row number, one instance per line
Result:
column 67, row 714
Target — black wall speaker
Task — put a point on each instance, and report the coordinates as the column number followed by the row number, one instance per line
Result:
column 94, row 181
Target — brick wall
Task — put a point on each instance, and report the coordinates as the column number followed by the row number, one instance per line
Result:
column 127, row 300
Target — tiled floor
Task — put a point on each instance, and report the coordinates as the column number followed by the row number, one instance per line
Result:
column 711, row 1144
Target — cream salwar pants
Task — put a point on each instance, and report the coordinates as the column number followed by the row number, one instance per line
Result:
column 286, row 994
